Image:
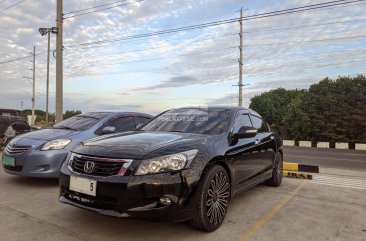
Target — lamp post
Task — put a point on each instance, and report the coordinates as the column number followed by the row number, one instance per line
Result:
column 48, row 31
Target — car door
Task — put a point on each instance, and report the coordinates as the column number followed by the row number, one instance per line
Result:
column 264, row 142
column 243, row 153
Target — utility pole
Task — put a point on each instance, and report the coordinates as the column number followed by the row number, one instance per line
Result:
column 48, row 76
column 34, row 85
column 59, row 67
column 240, row 104
column 48, row 31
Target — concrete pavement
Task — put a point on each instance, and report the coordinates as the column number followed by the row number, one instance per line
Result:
column 297, row 210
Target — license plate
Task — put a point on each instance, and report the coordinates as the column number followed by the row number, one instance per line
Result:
column 8, row 161
column 83, row 185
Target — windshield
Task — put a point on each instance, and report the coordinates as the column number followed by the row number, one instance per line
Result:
column 78, row 123
column 191, row 120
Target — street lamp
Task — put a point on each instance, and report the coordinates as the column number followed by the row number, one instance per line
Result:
column 44, row 31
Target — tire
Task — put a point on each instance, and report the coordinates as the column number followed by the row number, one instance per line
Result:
column 277, row 172
column 212, row 199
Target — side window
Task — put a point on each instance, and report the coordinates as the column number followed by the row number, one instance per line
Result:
column 241, row 120
column 141, row 120
column 259, row 124
column 123, row 124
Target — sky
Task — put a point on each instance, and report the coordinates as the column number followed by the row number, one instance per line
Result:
column 186, row 68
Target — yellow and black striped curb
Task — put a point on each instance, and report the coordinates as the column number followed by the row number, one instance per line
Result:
column 289, row 166
column 297, row 175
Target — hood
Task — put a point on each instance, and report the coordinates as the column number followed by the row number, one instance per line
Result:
column 133, row 145
column 50, row 134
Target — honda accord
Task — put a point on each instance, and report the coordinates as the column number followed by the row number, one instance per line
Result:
column 185, row 164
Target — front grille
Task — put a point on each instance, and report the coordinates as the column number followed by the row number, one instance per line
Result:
column 13, row 169
column 14, row 149
column 99, row 202
column 102, row 167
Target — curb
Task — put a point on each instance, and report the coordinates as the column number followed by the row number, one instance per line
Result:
column 289, row 166
column 297, row 175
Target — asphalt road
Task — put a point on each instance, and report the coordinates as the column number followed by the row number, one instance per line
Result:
column 329, row 158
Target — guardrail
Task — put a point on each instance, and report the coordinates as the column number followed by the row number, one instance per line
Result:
column 325, row 145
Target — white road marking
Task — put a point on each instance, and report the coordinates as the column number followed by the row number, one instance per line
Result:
column 339, row 182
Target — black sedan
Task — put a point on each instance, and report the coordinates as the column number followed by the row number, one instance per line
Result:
column 185, row 164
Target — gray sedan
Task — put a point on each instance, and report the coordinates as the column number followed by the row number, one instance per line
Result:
column 41, row 153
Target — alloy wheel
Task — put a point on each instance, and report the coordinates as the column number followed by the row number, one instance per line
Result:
column 217, row 198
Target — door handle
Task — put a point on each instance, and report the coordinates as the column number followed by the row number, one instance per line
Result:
column 257, row 141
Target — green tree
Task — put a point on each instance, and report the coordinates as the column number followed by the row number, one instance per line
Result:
column 273, row 106
column 71, row 113
column 332, row 110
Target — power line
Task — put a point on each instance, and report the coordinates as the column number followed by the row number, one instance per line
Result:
column 13, row 5
column 307, row 41
column 17, row 59
column 153, row 59
column 21, row 58
column 217, row 23
column 302, row 9
column 301, row 26
column 102, row 9
column 150, row 49
column 263, row 29
column 98, row 6
column 154, row 33
column 246, row 45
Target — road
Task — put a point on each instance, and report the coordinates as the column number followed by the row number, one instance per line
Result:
column 328, row 158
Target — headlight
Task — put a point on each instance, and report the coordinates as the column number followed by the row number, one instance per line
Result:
column 55, row 144
column 172, row 162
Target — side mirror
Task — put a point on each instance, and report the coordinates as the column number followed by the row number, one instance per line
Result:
column 245, row 132
column 108, row 130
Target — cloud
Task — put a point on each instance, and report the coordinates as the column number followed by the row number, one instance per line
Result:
column 177, row 81
column 186, row 59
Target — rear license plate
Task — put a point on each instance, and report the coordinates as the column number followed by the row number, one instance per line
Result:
column 8, row 161
column 83, row 185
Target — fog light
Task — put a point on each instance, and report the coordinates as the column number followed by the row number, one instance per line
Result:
column 165, row 201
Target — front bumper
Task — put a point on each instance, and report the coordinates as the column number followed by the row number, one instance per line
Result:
column 36, row 163
column 135, row 196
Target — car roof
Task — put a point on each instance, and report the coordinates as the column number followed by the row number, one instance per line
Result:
column 235, row 108
column 102, row 114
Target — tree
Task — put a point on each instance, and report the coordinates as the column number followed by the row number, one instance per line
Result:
column 41, row 115
column 273, row 106
column 71, row 113
column 331, row 110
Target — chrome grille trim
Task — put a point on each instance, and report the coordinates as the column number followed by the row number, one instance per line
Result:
column 14, row 149
column 103, row 166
